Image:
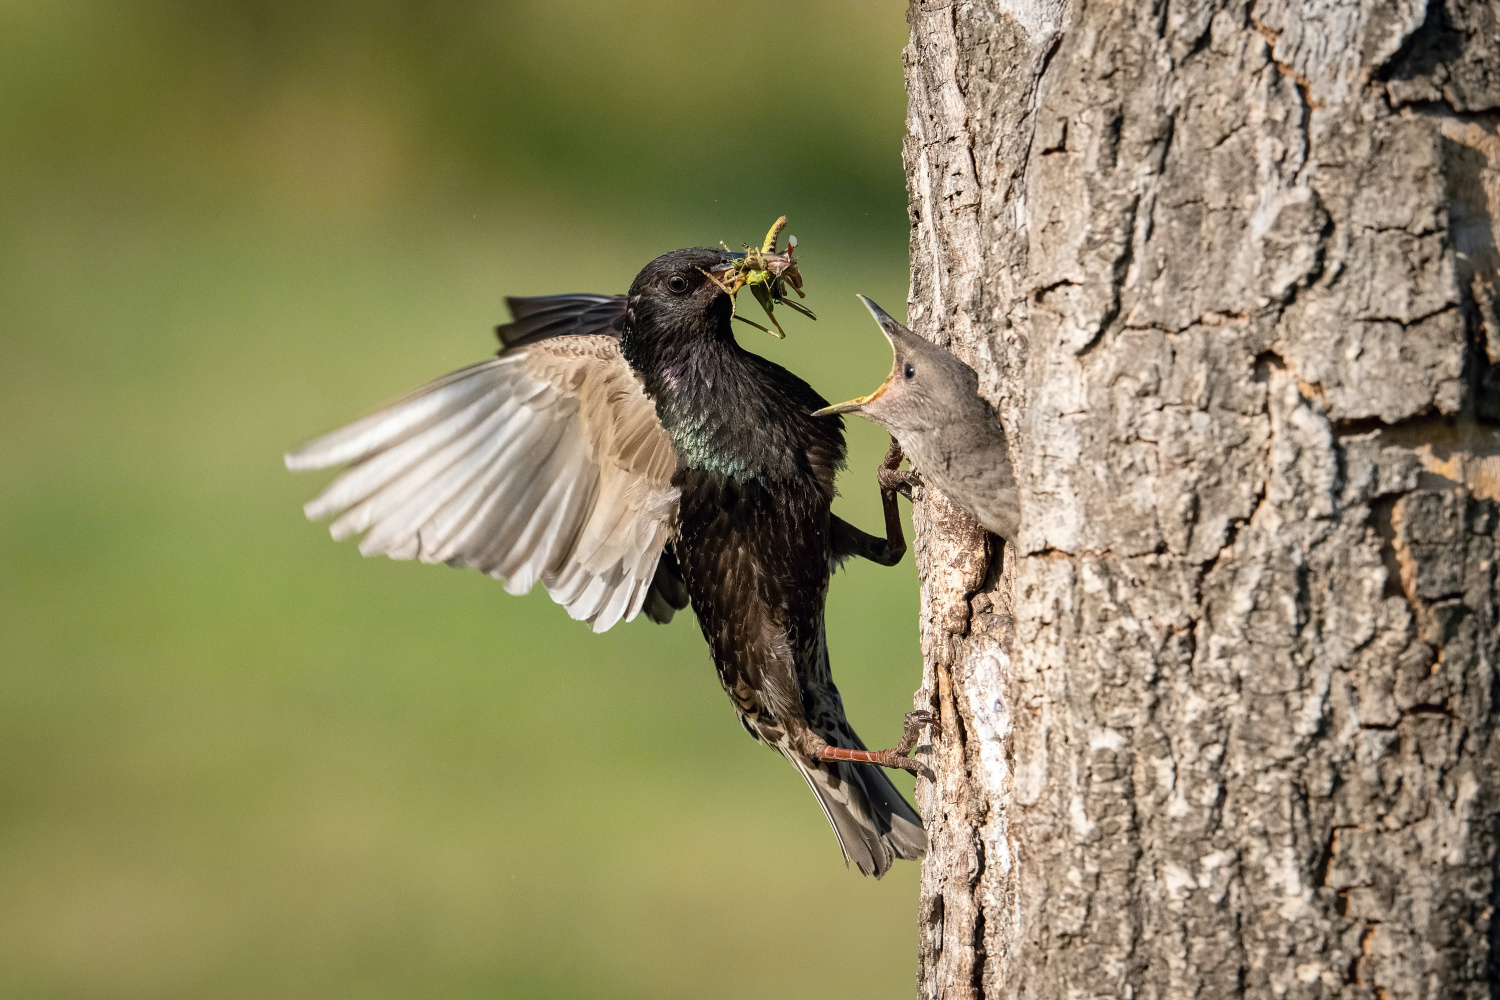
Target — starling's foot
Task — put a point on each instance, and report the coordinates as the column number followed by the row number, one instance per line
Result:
column 896, row 756
column 850, row 541
column 891, row 477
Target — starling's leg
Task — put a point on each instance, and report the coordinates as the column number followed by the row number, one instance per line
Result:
column 890, row 476
column 851, row 541
column 896, row 756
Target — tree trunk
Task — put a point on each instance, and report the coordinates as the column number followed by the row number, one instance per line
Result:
column 1223, row 722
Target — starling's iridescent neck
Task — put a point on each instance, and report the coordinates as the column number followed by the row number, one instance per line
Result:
column 728, row 411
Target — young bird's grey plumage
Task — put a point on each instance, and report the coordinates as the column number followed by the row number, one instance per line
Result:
column 930, row 403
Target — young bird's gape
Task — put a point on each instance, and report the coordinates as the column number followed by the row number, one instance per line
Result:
column 630, row 455
column 930, row 403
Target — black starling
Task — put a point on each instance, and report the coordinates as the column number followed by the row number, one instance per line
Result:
column 630, row 455
column 930, row 403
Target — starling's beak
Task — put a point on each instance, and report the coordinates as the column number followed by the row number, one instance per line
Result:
column 887, row 325
column 729, row 283
column 721, row 273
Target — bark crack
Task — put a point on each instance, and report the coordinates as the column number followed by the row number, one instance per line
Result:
column 1303, row 84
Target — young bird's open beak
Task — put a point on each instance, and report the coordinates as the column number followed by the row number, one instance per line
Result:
column 854, row 405
column 887, row 324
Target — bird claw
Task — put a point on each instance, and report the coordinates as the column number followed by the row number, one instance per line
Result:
column 893, row 455
column 900, row 480
column 916, row 767
column 896, row 757
column 912, row 766
column 914, row 723
column 909, row 735
column 891, row 477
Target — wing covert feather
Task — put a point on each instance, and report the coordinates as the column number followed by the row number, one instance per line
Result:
column 547, row 463
column 547, row 316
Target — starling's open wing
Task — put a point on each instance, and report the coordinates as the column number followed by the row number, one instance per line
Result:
column 546, row 463
column 560, row 316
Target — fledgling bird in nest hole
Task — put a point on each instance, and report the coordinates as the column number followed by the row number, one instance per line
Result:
column 930, row 404
column 628, row 454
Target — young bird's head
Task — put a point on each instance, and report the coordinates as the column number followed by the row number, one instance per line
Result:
column 927, row 386
column 673, row 300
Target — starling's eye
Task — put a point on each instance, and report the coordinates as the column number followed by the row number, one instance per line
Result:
column 910, row 372
column 677, row 284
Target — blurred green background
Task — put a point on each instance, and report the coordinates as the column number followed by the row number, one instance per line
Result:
column 238, row 760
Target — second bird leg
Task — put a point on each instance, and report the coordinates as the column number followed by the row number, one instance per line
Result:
column 896, row 756
column 893, row 479
column 851, row 541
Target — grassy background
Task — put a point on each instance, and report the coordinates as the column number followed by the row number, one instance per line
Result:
column 238, row 760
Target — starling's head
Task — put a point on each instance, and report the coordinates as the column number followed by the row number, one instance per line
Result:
column 676, row 296
column 927, row 386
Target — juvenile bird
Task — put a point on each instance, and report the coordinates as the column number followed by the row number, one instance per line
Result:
column 630, row 455
column 930, row 403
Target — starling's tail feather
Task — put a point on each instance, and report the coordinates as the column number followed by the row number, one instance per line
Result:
column 875, row 825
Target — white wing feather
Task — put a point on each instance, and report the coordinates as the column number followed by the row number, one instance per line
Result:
column 547, row 463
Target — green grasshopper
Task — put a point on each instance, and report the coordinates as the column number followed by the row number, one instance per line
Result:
column 768, row 273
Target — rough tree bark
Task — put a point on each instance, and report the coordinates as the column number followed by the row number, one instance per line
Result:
column 1223, row 723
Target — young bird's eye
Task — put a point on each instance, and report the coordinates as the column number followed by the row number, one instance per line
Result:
column 910, row 372
column 677, row 284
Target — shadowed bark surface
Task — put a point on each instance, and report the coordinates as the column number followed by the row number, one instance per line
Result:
column 1222, row 723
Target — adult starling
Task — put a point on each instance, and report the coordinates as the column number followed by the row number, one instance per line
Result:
column 630, row 455
column 930, row 403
